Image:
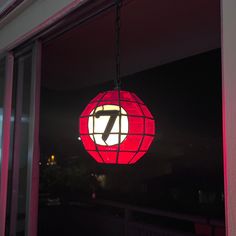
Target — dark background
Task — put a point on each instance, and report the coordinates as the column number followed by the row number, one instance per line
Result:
column 183, row 169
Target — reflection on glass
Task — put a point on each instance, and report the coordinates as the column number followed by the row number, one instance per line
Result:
column 23, row 113
column 2, row 80
column 19, row 160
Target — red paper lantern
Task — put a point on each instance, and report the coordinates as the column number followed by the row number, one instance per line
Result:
column 116, row 128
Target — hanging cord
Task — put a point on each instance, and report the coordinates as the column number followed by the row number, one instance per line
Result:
column 117, row 80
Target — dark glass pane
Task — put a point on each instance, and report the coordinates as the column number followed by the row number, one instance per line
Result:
column 20, row 135
column 24, row 140
column 2, row 83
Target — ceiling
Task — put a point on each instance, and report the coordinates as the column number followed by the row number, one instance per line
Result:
column 153, row 33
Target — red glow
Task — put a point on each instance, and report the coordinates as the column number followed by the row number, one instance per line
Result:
column 136, row 139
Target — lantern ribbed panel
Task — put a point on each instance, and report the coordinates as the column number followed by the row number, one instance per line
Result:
column 132, row 142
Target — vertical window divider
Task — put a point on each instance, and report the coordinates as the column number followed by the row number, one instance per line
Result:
column 34, row 149
column 4, row 162
column 16, row 151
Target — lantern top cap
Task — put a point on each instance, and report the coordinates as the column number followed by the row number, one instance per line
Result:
column 112, row 95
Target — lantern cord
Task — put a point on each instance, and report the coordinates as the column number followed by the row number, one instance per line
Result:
column 117, row 23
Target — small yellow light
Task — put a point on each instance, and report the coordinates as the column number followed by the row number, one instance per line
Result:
column 52, row 158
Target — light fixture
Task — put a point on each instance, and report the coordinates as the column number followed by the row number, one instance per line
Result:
column 116, row 127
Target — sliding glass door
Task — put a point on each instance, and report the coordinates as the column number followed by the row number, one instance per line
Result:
column 22, row 156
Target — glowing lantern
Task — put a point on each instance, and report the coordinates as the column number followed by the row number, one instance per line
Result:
column 116, row 128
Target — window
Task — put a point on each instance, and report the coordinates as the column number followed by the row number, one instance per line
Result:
column 2, row 80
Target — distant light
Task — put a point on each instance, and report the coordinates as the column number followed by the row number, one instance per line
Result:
column 52, row 158
column 40, row 163
column 93, row 195
column 79, row 138
column 101, row 180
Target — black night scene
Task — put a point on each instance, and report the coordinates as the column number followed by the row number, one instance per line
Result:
column 182, row 173
column 177, row 187
column 117, row 118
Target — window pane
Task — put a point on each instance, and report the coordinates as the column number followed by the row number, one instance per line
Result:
column 2, row 83
column 20, row 134
column 23, row 113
